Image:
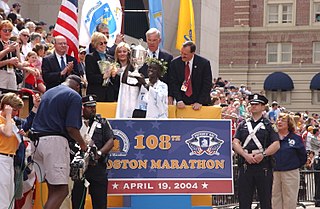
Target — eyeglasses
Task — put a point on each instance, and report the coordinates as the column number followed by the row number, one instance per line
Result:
column 101, row 43
column 25, row 35
column 7, row 30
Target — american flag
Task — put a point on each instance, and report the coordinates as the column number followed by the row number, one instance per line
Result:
column 67, row 25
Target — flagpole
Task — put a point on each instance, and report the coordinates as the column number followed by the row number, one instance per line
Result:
column 123, row 4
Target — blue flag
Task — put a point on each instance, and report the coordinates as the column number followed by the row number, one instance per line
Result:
column 100, row 11
column 155, row 17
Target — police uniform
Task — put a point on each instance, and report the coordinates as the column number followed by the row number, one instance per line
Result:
column 96, row 174
column 255, row 137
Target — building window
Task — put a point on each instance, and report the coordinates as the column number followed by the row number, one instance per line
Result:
column 279, row 14
column 316, row 52
column 316, row 9
column 315, row 97
column 279, row 53
column 282, row 97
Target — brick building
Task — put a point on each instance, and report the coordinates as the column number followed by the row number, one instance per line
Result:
column 273, row 46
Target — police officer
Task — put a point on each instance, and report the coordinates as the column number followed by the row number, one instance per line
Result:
column 255, row 142
column 99, row 131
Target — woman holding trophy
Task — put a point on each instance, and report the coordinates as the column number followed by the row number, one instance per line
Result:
column 98, row 69
column 129, row 87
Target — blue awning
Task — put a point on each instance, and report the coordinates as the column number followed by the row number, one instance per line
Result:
column 315, row 82
column 278, row 81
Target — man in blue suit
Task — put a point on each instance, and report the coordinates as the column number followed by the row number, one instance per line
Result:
column 190, row 78
column 153, row 36
column 57, row 66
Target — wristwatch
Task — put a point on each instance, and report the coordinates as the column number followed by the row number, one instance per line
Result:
column 264, row 154
column 99, row 153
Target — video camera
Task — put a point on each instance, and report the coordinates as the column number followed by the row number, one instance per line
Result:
column 81, row 161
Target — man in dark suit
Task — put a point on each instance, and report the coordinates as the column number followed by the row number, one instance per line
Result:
column 57, row 66
column 190, row 78
column 153, row 36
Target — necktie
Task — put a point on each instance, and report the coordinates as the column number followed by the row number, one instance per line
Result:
column 63, row 64
column 187, row 78
column 154, row 54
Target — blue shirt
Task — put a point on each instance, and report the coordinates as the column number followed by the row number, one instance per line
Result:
column 60, row 107
column 292, row 153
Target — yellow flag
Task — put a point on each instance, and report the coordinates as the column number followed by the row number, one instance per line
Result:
column 186, row 29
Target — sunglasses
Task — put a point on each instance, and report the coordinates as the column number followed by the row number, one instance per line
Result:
column 25, row 35
column 7, row 30
column 103, row 43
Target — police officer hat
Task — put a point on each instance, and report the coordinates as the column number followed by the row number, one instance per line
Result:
column 89, row 100
column 257, row 98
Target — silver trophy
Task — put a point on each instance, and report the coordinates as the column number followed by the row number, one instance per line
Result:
column 138, row 57
column 104, row 67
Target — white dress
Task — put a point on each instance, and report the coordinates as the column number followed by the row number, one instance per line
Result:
column 128, row 97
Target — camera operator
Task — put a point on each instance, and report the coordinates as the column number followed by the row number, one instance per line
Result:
column 57, row 123
column 102, row 137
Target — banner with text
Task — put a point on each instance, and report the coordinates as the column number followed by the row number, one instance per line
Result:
column 171, row 157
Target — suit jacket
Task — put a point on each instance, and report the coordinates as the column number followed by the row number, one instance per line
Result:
column 201, row 79
column 165, row 56
column 94, row 76
column 51, row 70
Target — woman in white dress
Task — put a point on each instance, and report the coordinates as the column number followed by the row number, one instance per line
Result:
column 129, row 87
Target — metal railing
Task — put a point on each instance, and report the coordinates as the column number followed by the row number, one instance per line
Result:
column 307, row 191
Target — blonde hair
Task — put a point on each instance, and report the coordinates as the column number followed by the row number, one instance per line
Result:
column 11, row 99
column 96, row 38
column 291, row 122
column 6, row 23
column 120, row 45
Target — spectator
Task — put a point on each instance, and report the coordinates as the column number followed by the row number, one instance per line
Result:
column 153, row 95
column 190, row 78
column 57, row 124
column 102, row 137
column 8, row 55
column 35, row 38
column 57, row 66
column 30, row 26
column 16, row 7
column 33, row 79
column 25, row 47
column 9, row 142
column 4, row 5
column 12, row 17
column 82, row 69
column 289, row 158
column 274, row 112
column 95, row 78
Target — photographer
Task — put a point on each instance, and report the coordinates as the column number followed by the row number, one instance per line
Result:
column 57, row 123
column 97, row 131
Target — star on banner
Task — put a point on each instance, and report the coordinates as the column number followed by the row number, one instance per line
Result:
column 129, row 123
column 115, row 185
column 205, row 185
column 155, row 124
